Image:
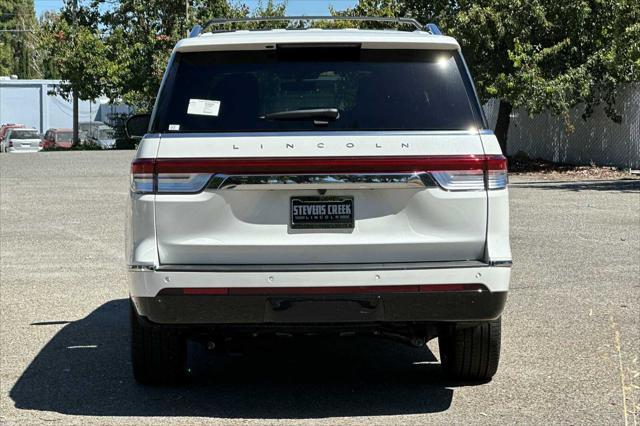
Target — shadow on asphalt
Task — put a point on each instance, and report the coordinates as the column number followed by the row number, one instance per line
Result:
column 85, row 370
column 622, row 185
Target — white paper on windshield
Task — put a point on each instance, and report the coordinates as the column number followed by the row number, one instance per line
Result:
column 203, row 107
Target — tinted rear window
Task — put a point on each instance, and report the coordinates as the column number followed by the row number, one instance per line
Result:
column 372, row 90
column 25, row 134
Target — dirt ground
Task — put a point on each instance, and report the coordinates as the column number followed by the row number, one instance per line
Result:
column 545, row 170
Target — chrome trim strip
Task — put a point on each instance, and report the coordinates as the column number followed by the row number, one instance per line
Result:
column 323, row 267
column 416, row 180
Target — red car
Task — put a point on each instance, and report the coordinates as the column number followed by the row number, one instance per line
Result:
column 6, row 127
column 57, row 138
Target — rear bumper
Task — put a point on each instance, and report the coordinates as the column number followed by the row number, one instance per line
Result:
column 275, row 296
column 23, row 150
column 149, row 281
column 324, row 309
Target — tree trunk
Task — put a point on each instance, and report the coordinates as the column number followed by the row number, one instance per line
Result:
column 502, row 124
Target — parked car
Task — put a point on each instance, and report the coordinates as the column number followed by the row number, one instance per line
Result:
column 6, row 127
column 103, row 135
column 21, row 140
column 317, row 181
column 86, row 127
column 57, row 138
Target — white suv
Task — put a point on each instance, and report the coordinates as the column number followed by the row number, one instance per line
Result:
column 310, row 181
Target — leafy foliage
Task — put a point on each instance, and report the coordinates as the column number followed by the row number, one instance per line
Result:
column 18, row 54
column 82, row 58
column 122, row 52
column 537, row 54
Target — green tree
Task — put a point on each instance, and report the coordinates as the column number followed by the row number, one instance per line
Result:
column 536, row 54
column 81, row 58
column 18, row 54
column 384, row 8
column 122, row 52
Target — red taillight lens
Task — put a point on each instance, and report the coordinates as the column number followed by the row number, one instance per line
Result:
column 143, row 176
column 232, row 166
column 453, row 173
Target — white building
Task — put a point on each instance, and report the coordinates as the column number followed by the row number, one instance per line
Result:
column 29, row 102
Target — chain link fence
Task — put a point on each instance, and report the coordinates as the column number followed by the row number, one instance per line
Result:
column 598, row 140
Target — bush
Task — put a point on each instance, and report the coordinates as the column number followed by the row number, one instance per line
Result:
column 82, row 146
column 86, row 146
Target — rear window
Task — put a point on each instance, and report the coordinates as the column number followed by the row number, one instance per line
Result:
column 370, row 89
column 25, row 134
column 64, row 136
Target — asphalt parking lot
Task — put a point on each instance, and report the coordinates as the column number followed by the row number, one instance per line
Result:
column 571, row 337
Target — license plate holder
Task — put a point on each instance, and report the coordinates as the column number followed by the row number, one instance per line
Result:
column 326, row 212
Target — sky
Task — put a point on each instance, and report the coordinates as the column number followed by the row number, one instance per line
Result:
column 294, row 7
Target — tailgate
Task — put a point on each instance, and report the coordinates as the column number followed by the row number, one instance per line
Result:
column 248, row 220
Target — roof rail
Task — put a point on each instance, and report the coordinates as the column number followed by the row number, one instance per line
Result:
column 198, row 29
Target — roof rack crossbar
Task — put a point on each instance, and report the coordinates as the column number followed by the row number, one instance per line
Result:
column 197, row 29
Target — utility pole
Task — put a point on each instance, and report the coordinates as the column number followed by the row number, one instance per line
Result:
column 186, row 14
column 76, row 139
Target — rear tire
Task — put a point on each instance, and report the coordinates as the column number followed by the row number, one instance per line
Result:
column 470, row 353
column 158, row 354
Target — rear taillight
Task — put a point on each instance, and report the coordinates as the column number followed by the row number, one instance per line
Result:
column 142, row 176
column 491, row 175
column 452, row 173
column 182, row 182
column 496, row 170
column 460, row 180
column 146, row 178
